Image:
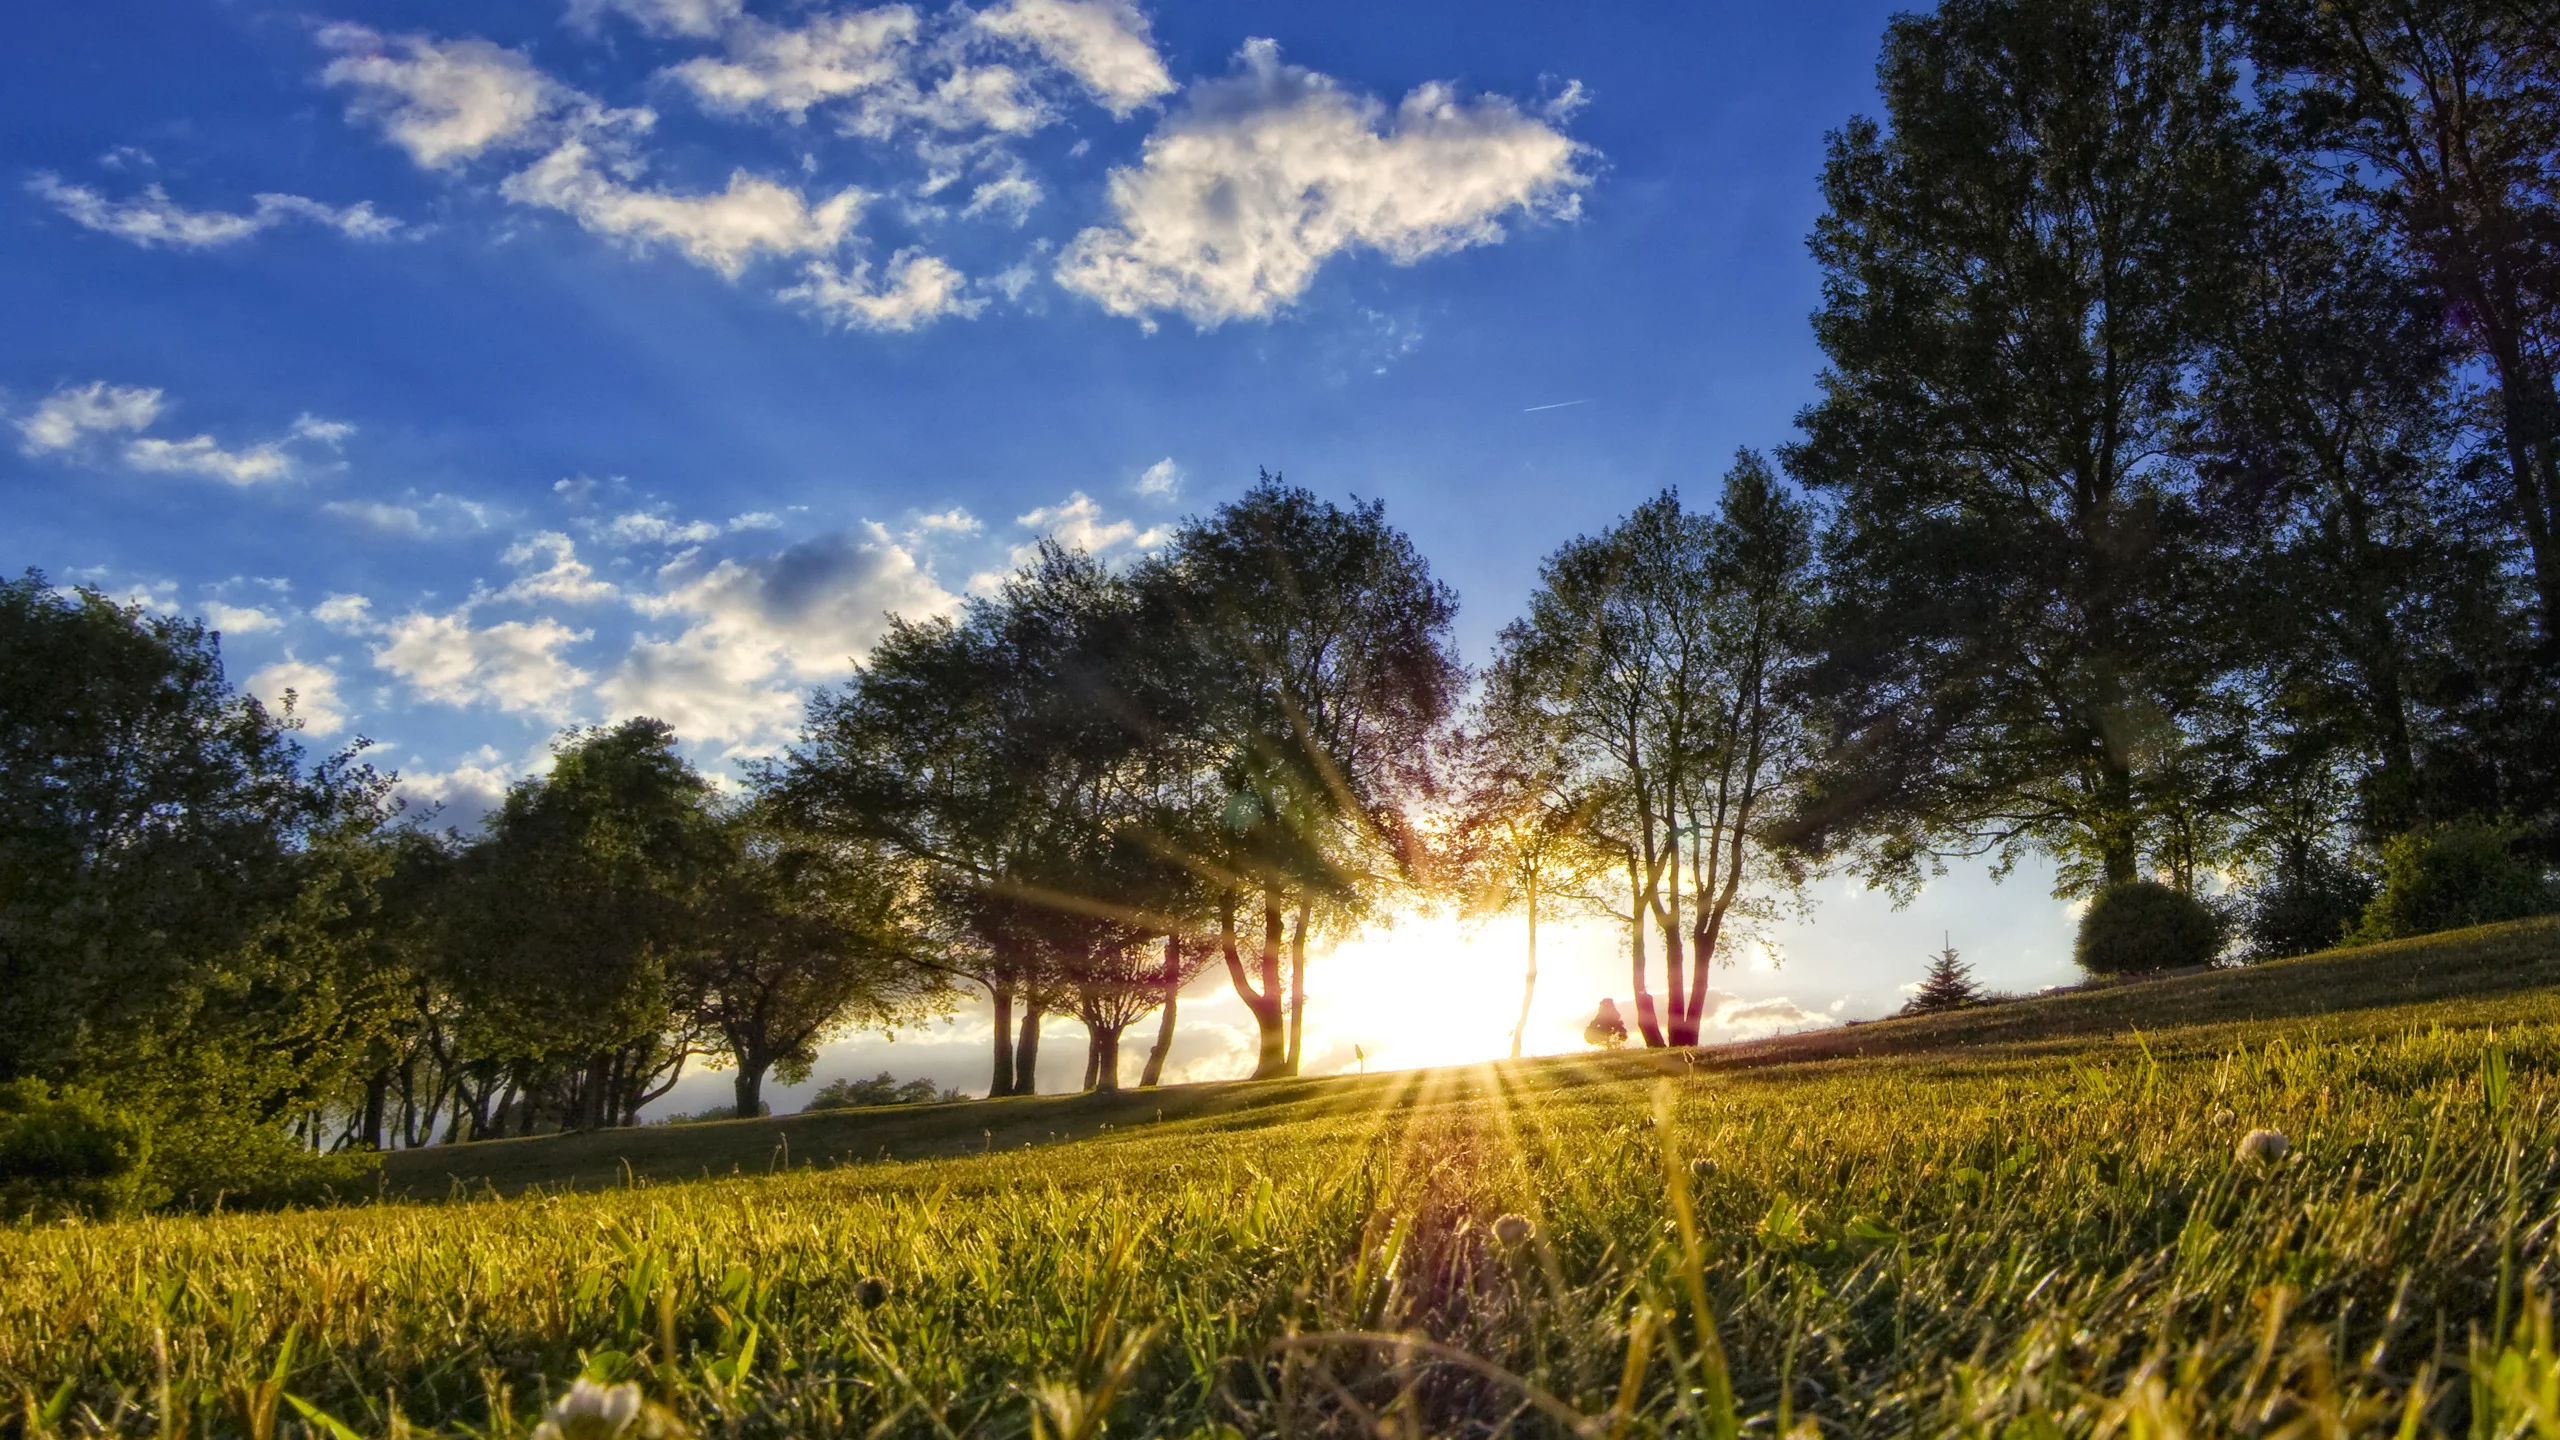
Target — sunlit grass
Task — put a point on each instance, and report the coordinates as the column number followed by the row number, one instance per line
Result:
column 2023, row 1244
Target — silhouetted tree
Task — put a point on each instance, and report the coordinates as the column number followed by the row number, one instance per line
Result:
column 1317, row 644
column 2020, row 274
column 1948, row 985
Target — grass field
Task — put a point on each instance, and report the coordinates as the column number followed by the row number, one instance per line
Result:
column 2026, row 1220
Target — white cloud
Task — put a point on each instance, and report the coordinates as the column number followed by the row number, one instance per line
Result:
column 199, row 455
column 1260, row 177
column 697, row 18
column 515, row 665
column 787, row 72
column 954, row 521
column 721, row 231
column 1076, row 523
column 442, row 101
column 1011, row 198
column 549, row 569
column 152, row 218
column 755, row 520
column 756, row 631
column 352, row 613
column 239, row 619
column 917, row 288
column 463, row 795
column 72, row 412
column 314, row 691
column 1740, row 1019
column 62, row 420
column 307, row 426
column 1160, row 481
column 654, row 527
column 438, row 514
column 1103, row 43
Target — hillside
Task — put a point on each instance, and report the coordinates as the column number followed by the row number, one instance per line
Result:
column 2021, row 1220
column 2491, row 975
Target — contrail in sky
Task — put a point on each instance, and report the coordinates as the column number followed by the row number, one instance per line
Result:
column 1559, row 405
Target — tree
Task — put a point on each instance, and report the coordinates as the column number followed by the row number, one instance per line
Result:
column 2018, row 278
column 1317, row 644
column 1660, row 660
column 1521, row 835
column 156, row 828
column 1608, row 1029
column 2322, row 435
column 1022, row 754
column 802, row 939
column 1948, row 985
column 583, row 904
column 2449, row 110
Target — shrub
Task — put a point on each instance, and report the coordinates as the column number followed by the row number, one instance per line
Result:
column 1607, row 1029
column 2302, row 905
column 881, row 1089
column 215, row 1159
column 65, row 1153
column 2444, row 877
column 2143, row 926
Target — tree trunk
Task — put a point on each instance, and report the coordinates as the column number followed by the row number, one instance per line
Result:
column 1026, row 1054
column 1646, row 1023
column 1297, row 985
column 1001, row 1084
column 1154, row 1072
column 593, row 1093
column 750, row 1087
column 1674, row 957
column 1106, row 1061
column 1092, row 1056
column 1265, row 1003
column 1529, row 986
column 377, row 1099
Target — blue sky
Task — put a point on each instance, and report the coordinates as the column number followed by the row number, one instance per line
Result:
column 482, row 369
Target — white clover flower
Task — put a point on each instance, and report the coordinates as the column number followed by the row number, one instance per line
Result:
column 590, row 1412
column 2266, row 1145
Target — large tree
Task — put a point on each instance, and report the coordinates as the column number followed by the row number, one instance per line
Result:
column 1659, row 659
column 2446, row 114
column 2020, row 271
column 1017, row 754
column 1318, row 648
column 2324, row 440
column 181, row 894
column 803, row 937
column 582, row 905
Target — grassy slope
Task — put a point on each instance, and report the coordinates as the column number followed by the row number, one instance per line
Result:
column 2471, row 977
column 2013, row 1222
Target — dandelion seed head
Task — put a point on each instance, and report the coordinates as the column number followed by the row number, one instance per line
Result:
column 590, row 1412
column 1513, row 1229
column 2267, row 1146
column 871, row 1292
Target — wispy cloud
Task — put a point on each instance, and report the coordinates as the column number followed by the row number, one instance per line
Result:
column 152, row 219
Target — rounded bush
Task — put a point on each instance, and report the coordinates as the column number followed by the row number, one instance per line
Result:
column 2143, row 926
column 2445, row 877
column 66, row 1153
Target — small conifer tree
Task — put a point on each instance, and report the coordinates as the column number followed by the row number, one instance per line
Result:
column 1948, row 985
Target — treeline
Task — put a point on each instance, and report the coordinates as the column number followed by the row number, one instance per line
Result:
column 2179, row 507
